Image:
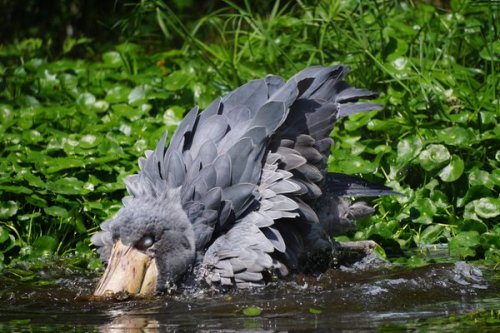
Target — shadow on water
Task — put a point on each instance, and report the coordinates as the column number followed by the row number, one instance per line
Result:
column 371, row 299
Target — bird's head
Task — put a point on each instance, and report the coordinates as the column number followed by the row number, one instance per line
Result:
column 153, row 247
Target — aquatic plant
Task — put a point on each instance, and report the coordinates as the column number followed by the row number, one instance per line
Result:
column 71, row 129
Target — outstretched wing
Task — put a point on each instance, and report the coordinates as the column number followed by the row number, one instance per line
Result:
column 216, row 157
column 291, row 180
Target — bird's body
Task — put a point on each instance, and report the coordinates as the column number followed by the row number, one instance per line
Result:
column 238, row 191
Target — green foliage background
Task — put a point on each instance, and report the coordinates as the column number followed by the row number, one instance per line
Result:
column 74, row 122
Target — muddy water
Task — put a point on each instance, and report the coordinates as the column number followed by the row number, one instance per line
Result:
column 369, row 299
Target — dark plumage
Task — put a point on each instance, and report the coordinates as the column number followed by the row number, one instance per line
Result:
column 241, row 193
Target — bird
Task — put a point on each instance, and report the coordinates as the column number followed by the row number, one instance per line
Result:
column 241, row 195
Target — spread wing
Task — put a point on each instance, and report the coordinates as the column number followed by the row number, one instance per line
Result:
column 216, row 156
column 291, row 180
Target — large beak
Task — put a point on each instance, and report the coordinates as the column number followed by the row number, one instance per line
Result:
column 129, row 271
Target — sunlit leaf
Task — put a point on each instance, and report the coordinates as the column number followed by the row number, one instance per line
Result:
column 480, row 178
column 453, row 170
column 8, row 209
column 454, row 135
column 432, row 233
column 139, row 94
column 85, row 102
column 487, row 207
column 118, row 94
column 112, row 58
column 177, row 80
column 433, row 156
column 409, row 148
column 89, row 141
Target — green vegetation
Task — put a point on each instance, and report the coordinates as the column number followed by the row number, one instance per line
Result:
column 73, row 127
column 476, row 321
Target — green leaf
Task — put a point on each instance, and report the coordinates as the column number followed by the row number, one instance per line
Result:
column 8, row 209
column 178, row 80
column 36, row 201
column 432, row 233
column 89, row 141
column 426, row 210
column 56, row 211
column 400, row 49
column 473, row 225
column 453, row 170
column 112, row 59
column 384, row 125
column 455, row 136
column 433, row 156
column 409, row 148
column 315, row 311
column 480, row 177
column 464, row 244
column 118, row 94
column 4, row 234
column 85, row 103
column 58, row 164
column 125, row 110
column 252, row 311
column 416, row 261
column 139, row 94
column 491, row 52
column 67, row 185
column 44, row 245
column 487, row 207
column 354, row 165
column 18, row 189
column 474, row 192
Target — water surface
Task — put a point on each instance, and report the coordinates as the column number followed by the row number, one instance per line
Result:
column 365, row 299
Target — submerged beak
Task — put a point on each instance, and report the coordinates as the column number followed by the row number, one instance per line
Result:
column 129, row 271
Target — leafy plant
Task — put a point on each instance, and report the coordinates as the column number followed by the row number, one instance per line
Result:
column 72, row 129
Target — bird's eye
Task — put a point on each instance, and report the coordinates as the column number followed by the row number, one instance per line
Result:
column 145, row 242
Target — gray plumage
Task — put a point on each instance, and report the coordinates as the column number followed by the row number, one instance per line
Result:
column 243, row 184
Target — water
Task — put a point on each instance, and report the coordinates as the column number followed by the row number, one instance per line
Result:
column 381, row 298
